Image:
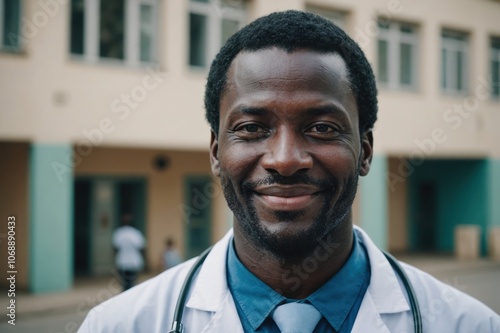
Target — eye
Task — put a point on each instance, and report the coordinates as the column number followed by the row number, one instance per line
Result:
column 251, row 128
column 321, row 128
column 323, row 131
column 250, row 131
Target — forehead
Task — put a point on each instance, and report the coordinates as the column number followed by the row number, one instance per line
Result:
column 289, row 73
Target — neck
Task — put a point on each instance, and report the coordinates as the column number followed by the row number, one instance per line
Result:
column 297, row 277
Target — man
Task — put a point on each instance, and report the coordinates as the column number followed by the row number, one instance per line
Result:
column 291, row 101
column 128, row 243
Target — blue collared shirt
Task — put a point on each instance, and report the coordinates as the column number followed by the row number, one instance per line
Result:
column 338, row 300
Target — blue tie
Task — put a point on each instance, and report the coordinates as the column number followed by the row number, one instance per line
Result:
column 296, row 317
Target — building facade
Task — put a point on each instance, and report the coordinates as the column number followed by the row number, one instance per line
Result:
column 101, row 115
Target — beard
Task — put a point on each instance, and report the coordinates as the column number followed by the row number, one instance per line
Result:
column 300, row 243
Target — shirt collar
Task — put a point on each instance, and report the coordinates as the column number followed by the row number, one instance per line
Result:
column 337, row 296
column 333, row 300
column 256, row 299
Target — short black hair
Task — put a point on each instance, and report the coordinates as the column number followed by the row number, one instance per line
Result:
column 292, row 30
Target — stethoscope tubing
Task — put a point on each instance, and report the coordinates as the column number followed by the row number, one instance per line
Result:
column 178, row 327
column 412, row 296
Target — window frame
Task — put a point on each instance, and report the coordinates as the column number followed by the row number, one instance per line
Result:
column 215, row 13
column 454, row 41
column 394, row 38
column 338, row 17
column 494, row 56
column 132, row 51
column 6, row 48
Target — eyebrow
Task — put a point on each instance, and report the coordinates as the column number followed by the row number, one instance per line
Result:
column 328, row 109
column 251, row 111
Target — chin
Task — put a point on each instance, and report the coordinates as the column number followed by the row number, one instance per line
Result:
column 289, row 234
column 292, row 235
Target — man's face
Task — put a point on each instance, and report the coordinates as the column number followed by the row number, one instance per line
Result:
column 289, row 151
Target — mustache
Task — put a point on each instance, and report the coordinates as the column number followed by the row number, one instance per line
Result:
column 296, row 179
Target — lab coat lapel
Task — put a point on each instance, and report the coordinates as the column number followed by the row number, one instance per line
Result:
column 225, row 319
column 384, row 294
column 210, row 291
column 384, row 288
column 368, row 318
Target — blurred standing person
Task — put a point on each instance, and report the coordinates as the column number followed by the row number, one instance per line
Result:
column 129, row 245
column 170, row 256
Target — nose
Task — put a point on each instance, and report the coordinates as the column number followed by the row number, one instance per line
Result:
column 286, row 154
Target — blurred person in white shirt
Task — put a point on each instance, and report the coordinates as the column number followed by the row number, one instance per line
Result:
column 129, row 244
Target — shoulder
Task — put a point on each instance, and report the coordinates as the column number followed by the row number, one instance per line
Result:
column 132, row 230
column 148, row 306
column 123, row 231
column 445, row 306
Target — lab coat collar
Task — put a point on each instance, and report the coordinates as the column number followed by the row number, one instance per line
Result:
column 211, row 289
column 225, row 319
column 384, row 294
column 384, row 289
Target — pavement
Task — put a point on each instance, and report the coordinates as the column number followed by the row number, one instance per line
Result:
column 476, row 277
column 85, row 294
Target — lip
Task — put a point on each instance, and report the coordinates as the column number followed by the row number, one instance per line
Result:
column 286, row 197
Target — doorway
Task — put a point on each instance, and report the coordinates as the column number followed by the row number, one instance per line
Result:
column 443, row 194
column 100, row 202
column 426, row 217
column 198, row 199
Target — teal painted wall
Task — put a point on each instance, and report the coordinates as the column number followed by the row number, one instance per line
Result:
column 374, row 202
column 494, row 192
column 51, row 218
column 461, row 198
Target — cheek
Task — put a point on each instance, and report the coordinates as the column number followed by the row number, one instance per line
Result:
column 339, row 162
column 236, row 162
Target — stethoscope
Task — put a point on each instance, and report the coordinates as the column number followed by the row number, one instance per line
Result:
column 178, row 327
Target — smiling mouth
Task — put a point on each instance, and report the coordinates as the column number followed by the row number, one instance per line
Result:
column 287, row 198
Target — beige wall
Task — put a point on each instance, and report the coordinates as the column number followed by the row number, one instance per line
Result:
column 165, row 190
column 63, row 90
column 14, row 201
column 80, row 95
column 48, row 96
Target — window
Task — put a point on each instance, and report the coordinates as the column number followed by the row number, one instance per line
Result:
column 119, row 30
column 495, row 67
column 397, row 55
column 10, row 17
column 454, row 62
column 337, row 17
column 211, row 23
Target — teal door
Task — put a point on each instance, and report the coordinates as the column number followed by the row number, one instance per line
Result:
column 131, row 200
column 81, row 236
column 100, row 203
column 427, row 217
column 198, row 203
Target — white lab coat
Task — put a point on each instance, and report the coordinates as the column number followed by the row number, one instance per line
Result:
column 149, row 307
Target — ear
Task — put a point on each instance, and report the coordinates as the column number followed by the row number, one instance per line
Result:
column 214, row 155
column 366, row 152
